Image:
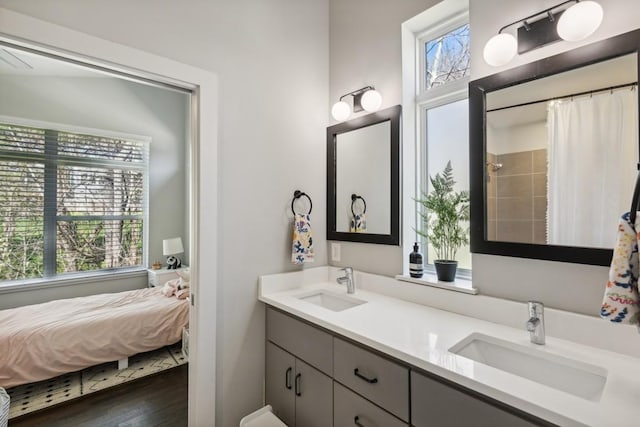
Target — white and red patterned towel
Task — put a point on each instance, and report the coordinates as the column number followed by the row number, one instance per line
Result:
column 621, row 302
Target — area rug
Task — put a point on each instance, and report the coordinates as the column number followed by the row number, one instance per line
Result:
column 35, row 396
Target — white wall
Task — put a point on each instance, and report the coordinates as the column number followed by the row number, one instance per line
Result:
column 562, row 285
column 514, row 139
column 567, row 286
column 119, row 106
column 272, row 62
column 365, row 50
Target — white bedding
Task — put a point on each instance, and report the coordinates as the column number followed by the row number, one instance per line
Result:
column 42, row 341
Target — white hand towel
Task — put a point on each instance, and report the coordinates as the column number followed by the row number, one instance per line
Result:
column 621, row 302
column 302, row 247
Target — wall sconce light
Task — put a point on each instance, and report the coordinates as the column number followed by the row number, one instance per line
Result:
column 574, row 23
column 366, row 98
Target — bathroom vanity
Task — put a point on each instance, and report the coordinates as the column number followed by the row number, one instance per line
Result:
column 374, row 359
column 357, row 384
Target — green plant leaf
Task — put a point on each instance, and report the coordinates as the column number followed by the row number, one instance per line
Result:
column 443, row 212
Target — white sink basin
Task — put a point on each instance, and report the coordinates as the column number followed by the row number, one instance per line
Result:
column 330, row 300
column 571, row 376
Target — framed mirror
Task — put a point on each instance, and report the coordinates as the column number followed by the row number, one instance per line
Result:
column 554, row 153
column 363, row 179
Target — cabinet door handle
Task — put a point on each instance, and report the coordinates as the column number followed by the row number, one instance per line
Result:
column 287, row 378
column 298, row 392
column 357, row 422
column 369, row 380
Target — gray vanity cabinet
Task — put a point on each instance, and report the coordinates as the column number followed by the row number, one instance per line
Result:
column 300, row 394
column 279, row 377
column 350, row 408
column 314, row 378
column 436, row 404
column 314, row 399
column 376, row 378
column 301, row 339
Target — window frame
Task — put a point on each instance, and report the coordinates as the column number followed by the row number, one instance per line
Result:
column 425, row 100
column 50, row 275
column 429, row 34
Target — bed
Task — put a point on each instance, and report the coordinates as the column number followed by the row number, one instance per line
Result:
column 42, row 341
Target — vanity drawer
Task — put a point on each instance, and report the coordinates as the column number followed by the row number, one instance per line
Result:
column 436, row 404
column 302, row 340
column 348, row 408
column 380, row 380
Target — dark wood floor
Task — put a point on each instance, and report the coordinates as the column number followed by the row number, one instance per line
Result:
column 156, row 400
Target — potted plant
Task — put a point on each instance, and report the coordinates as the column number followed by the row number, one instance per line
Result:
column 443, row 213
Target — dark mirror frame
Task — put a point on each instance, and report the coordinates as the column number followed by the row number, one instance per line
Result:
column 613, row 47
column 393, row 115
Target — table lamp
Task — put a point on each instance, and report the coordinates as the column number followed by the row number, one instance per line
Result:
column 170, row 248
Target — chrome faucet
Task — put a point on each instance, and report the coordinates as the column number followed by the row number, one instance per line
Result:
column 535, row 324
column 348, row 279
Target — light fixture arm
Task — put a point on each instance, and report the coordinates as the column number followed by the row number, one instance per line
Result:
column 560, row 22
column 357, row 92
column 357, row 97
column 543, row 12
column 364, row 99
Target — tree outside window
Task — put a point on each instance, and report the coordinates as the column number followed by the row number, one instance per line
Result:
column 69, row 202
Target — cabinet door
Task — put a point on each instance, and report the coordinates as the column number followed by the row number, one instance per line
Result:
column 314, row 397
column 436, row 404
column 279, row 378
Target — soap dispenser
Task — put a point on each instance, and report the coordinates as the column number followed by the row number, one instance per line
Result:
column 415, row 262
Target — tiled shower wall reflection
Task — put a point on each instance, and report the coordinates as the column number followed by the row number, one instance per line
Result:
column 517, row 197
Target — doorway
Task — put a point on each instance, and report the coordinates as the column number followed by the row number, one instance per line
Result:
column 134, row 65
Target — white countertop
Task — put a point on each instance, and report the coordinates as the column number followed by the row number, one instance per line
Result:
column 421, row 336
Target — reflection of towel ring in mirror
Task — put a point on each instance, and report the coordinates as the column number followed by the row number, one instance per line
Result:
column 296, row 195
column 355, row 197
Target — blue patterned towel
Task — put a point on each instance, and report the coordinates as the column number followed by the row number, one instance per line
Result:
column 621, row 303
column 302, row 248
column 358, row 224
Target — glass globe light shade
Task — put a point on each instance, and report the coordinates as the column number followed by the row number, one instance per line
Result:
column 341, row 111
column 500, row 49
column 580, row 21
column 371, row 100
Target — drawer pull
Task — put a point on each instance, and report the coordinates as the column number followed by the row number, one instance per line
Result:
column 298, row 392
column 287, row 378
column 369, row 380
column 357, row 422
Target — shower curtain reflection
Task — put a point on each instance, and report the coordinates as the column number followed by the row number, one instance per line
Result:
column 592, row 158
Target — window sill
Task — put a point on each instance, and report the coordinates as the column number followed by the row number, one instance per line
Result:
column 102, row 276
column 459, row 285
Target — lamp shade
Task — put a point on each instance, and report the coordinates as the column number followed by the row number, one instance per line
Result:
column 172, row 246
column 500, row 49
column 371, row 100
column 580, row 21
column 341, row 111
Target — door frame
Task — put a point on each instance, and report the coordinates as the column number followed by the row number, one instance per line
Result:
column 28, row 32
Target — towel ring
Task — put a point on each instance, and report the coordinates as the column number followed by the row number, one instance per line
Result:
column 355, row 197
column 296, row 195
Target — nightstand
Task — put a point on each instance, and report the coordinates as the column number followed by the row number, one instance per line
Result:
column 162, row 276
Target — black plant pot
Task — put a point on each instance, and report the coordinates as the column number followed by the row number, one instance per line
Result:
column 446, row 270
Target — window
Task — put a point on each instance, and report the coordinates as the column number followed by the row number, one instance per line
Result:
column 447, row 57
column 442, row 108
column 70, row 202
